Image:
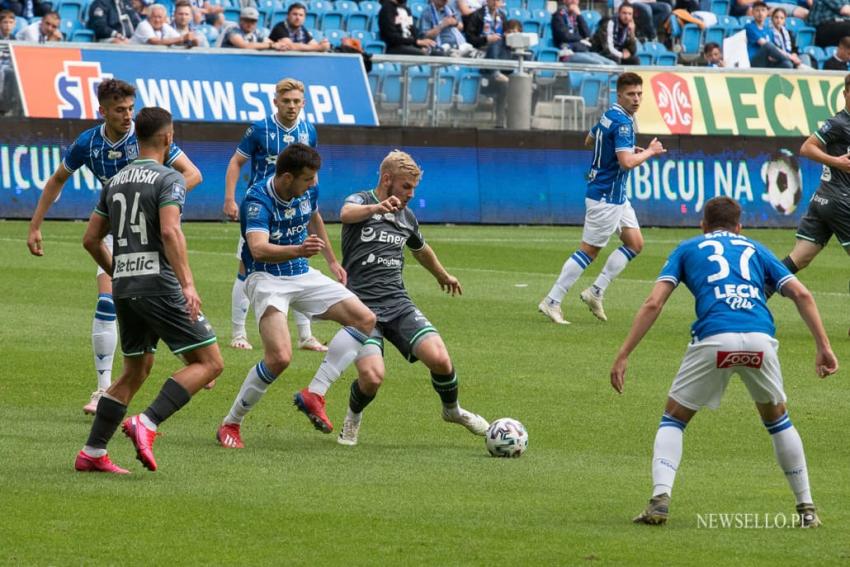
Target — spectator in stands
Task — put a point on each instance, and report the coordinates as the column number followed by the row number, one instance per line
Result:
column 28, row 8
column 649, row 16
column 42, row 31
column 838, row 62
column 183, row 23
column 760, row 47
column 831, row 20
column 397, row 32
column 798, row 10
column 783, row 38
column 7, row 25
column 155, row 30
column 740, row 8
column 440, row 23
column 571, row 34
column 113, row 21
column 246, row 35
column 712, row 55
column 207, row 11
column 486, row 31
column 291, row 35
column 615, row 38
column 467, row 8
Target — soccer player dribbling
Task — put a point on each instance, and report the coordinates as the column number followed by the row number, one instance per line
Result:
column 734, row 334
column 608, row 210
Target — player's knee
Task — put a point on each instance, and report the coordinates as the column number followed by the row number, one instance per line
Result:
column 636, row 247
column 364, row 320
column 371, row 379
column 215, row 364
column 277, row 361
column 440, row 362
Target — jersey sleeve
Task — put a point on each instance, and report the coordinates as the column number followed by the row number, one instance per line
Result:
column 314, row 198
column 247, row 143
column 355, row 199
column 776, row 274
column 831, row 131
column 415, row 241
column 75, row 156
column 624, row 137
column 314, row 137
column 256, row 214
column 101, row 208
column 173, row 191
column 174, row 152
column 672, row 269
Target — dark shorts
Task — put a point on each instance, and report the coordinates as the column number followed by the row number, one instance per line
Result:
column 828, row 214
column 143, row 321
column 404, row 331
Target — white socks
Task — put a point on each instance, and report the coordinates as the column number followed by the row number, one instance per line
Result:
column 791, row 458
column 666, row 454
column 305, row 330
column 238, row 308
column 573, row 268
column 255, row 385
column 104, row 338
column 616, row 263
column 342, row 350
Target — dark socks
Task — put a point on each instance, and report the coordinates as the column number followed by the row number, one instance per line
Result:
column 171, row 398
column 357, row 400
column 107, row 418
column 446, row 386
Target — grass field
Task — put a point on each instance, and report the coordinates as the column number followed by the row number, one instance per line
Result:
column 416, row 490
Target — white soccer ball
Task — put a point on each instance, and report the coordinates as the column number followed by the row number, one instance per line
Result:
column 783, row 182
column 506, row 437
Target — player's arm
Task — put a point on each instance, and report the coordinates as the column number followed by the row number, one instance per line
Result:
column 645, row 318
column 231, row 177
column 316, row 226
column 174, row 246
column 428, row 259
column 264, row 251
column 188, row 170
column 96, row 231
column 814, row 149
column 630, row 159
column 353, row 213
column 51, row 192
column 825, row 361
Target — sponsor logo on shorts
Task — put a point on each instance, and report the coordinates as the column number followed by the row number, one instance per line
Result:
column 135, row 264
column 748, row 358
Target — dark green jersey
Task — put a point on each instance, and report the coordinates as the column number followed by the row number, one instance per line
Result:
column 373, row 255
column 835, row 135
column 131, row 200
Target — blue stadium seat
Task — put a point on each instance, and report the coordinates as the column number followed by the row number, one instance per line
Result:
column 357, row 21
column 691, row 39
column 419, row 87
column 532, row 26
column 511, row 4
column 335, row 36
column 333, row 20
column 720, row 7
column 373, row 24
column 645, row 57
column 364, row 36
column 320, row 6
column 446, row 90
column 805, row 36
column 575, row 79
column 726, row 21
column 793, row 24
column 311, row 22
column 375, row 47
column 666, row 59
column 277, row 16
column 69, row 26
column 830, row 51
column 469, row 91
column 715, row 34
column 390, row 98
column 369, row 7
column 20, row 23
column 535, row 4
column 318, row 35
column 592, row 17
column 70, row 12
column 417, row 9
column 232, row 14
column 542, row 16
column 82, row 35
column 744, row 20
column 519, row 14
column 591, row 91
column 816, row 53
column 209, row 32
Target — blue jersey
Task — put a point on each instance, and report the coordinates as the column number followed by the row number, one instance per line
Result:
column 615, row 132
column 727, row 274
column 285, row 222
column 103, row 158
column 265, row 139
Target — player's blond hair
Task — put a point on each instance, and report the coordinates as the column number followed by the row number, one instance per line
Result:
column 398, row 162
column 288, row 84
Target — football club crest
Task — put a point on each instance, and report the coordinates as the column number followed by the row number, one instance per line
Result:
column 304, row 138
column 288, row 139
column 253, row 211
column 114, row 154
column 289, row 213
column 305, row 207
column 132, row 152
column 178, row 192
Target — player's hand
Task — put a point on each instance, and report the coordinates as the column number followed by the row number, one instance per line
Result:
column 311, row 246
column 826, row 363
column 389, row 205
column 656, row 147
column 339, row 272
column 843, row 163
column 450, row 284
column 34, row 242
column 193, row 302
column 618, row 374
column 231, row 210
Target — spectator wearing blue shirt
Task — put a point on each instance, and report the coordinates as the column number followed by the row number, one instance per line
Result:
column 760, row 47
column 440, row 23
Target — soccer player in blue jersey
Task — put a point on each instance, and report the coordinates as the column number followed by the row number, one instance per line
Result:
column 275, row 218
column 727, row 274
column 261, row 144
column 104, row 150
column 608, row 210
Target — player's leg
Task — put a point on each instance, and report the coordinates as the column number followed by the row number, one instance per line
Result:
column 617, row 261
column 239, row 304
column 104, row 338
column 598, row 228
column 813, row 233
column 370, row 376
column 306, row 340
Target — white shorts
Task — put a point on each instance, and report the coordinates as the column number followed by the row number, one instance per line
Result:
column 239, row 248
column 602, row 220
column 709, row 363
column 312, row 293
column 108, row 241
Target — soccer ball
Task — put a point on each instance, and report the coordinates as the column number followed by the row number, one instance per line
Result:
column 506, row 437
column 783, row 182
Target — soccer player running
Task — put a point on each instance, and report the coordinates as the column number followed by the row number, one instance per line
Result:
column 104, row 150
column 727, row 274
column 377, row 225
column 262, row 143
column 608, row 210
column 275, row 218
column 155, row 295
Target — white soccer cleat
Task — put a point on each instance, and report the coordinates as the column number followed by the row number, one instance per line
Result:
column 553, row 312
column 312, row 343
column 91, row 407
column 241, row 343
column 348, row 435
column 476, row 424
column 594, row 302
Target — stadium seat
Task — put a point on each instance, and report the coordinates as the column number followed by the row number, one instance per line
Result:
column 417, row 9
column 318, row 35
column 70, row 11
column 369, row 7
column 691, row 39
column 390, row 93
column 715, row 34
column 373, row 24
column 69, row 26
column 357, row 21
column 575, row 79
column 333, row 20
column 363, row 36
column 817, row 55
column 542, row 16
column 268, row 6
column 335, row 36
column 82, row 35
column 744, row 20
column 510, row 4
column 311, row 22
column 519, row 14
column 591, row 91
column 720, row 7
column 277, row 16
column 320, row 6
column 532, row 26
column 666, row 59
column 726, row 20
column 830, row 51
column 592, row 17
column 446, row 90
column 805, row 36
column 535, row 5
column 468, row 91
column 232, row 14
column 20, row 23
column 209, row 32
column 793, row 24
column 645, row 57
column 375, row 47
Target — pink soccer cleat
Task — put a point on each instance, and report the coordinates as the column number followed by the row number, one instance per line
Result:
column 143, row 439
column 228, row 436
column 85, row 463
column 313, row 405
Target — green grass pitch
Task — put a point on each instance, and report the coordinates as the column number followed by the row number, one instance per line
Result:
column 416, row 490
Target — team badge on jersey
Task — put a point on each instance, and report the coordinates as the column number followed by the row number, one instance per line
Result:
column 273, row 135
column 288, row 139
column 304, row 138
column 624, row 130
column 132, row 152
column 289, row 213
column 305, row 207
column 178, row 193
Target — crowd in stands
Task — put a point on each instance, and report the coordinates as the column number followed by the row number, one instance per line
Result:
column 779, row 34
